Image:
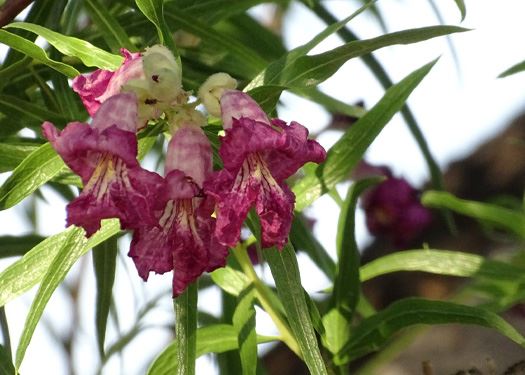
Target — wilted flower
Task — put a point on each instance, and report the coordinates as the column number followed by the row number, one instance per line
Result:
column 97, row 87
column 104, row 155
column 258, row 155
column 393, row 208
column 181, row 237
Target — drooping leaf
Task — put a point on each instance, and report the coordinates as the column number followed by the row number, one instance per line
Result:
column 349, row 149
column 71, row 46
column 372, row 333
column 511, row 220
column 35, row 52
column 285, row 271
column 71, row 249
column 462, row 8
column 28, row 271
column 36, row 169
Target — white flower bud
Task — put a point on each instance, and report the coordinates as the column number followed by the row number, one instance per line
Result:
column 163, row 73
column 212, row 89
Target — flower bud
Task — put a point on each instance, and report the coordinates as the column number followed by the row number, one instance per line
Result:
column 212, row 89
column 163, row 73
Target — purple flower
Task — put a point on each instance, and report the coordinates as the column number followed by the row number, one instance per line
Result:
column 258, row 156
column 104, row 155
column 393, row 209
column 97, row 87
column 181, row 237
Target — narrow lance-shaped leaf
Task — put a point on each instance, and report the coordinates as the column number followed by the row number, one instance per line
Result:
column 35, row 52
column 71, row 249
column 154, row 11
column 375, row 331
column 346, row 152
column 518, row 68
column 70, row 46
column 14, row 153
column 18, row 245
column 217, row 338
column 104, row 263
column 230, row 280
column 244, row 323
column 309, row 71
column 511, row 220
column 270, row 75
column 38, row 168
column 441, row 262
column 28, row 271
column 462, row 8
column 285, row 271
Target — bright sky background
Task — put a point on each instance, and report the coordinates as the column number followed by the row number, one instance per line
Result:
column 456, row 110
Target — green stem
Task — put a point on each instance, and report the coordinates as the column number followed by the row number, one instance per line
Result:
column 186, row 329
column 263, row 295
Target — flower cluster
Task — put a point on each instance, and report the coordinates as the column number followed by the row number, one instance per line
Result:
column 185, row 220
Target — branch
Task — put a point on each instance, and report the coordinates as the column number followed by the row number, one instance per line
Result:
column 11, row 9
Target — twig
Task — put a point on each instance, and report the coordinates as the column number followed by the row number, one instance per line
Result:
column 11, row 9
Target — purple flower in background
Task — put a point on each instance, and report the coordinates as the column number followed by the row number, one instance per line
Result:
column 97, row 87
column 393, row 208
column 258, row 155
column 104, row 155
column 181, row 237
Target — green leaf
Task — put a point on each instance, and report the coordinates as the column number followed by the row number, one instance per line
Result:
column 113, row 33
column 285, row 271
column 375, row 331
column 346, row 284
column 35, row 52
column 14, row 153
column 346, row 152
column 441, row 262
column 154, row 11
column 511, row 220
column 18, row 245
column 518, row 68
column 230, row 280
column 104, row 263
column 71, row 249
column 36, row 169
column 186, row 329
column 6, row 364
column 377, row 69
column 309, row 71
column 28, row 271
column 70, row 46
column 218, row 338
column 462, row 8
column 244, row 323
column 10, row 105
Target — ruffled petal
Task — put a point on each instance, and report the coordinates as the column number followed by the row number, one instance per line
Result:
column 120, row 110
column 97, row 87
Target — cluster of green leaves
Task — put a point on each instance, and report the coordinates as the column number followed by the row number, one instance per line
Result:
column 327, row 336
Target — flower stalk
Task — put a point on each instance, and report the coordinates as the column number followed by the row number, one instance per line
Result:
column 186, row 329
column 263, row 295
